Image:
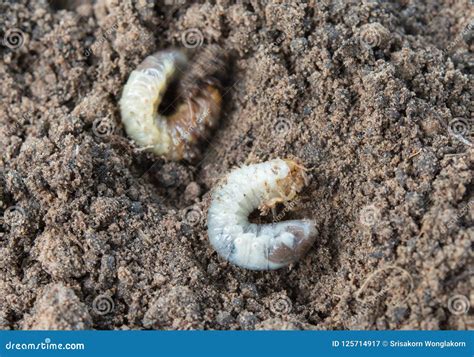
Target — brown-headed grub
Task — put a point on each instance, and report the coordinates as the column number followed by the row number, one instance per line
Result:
column 174, row 136
column 259, row 246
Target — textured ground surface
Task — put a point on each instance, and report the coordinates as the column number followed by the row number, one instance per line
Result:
column 374, row 97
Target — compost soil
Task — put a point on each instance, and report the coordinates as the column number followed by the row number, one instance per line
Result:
column 372, row 97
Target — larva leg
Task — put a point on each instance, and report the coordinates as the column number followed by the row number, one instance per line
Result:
column 270, row 204
column 287, row 189
column 253, row 246
column 175, row 136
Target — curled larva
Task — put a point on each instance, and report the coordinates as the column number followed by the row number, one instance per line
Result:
column 174, row 136
column 259, row 246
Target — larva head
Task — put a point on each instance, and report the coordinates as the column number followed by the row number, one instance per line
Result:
column 294, row 181
column 192, row 121
column 208, row 67
column 214, row 100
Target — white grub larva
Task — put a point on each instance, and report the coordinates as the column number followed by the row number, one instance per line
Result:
column 174, row 136
column 259, row 246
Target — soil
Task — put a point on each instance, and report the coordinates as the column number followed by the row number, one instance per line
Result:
column 373, row 97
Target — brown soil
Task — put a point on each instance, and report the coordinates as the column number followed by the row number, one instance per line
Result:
column 98, row 234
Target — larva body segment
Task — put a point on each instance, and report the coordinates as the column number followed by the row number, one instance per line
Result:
column 172, row 136
column 250, row 245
